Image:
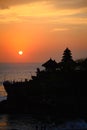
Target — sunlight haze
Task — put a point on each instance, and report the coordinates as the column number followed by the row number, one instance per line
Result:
column 42, row 29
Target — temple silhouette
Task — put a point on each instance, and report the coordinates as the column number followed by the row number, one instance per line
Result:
column 67, row 63
column 59, row 89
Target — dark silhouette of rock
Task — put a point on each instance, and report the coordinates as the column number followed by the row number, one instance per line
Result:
column 60, row 90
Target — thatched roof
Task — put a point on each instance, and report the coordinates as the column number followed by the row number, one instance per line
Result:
column 50, row 64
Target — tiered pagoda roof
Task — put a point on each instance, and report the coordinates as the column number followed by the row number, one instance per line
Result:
column 50, row 64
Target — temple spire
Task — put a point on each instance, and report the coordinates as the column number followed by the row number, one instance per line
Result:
column 67, row 55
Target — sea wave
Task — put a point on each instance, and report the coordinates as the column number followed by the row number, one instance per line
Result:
column 73, row 125
column 26, row 122
column 3, row 98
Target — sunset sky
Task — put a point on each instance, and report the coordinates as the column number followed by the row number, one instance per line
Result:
column 42, row 29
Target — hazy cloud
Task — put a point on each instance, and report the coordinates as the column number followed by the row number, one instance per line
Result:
column 59, row 29
column 5, row 4
column 69, row 3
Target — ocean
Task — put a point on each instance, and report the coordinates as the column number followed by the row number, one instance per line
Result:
column 16, row 72
column 20, row 72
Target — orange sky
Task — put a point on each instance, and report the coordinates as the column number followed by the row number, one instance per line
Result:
column 42, row 29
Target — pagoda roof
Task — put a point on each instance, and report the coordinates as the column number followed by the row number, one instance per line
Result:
column 50, row 63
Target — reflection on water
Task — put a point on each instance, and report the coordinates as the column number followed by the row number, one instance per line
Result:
column 20, row 122
column 26, row 122
column 3, row 94
column 2, row 91
column 9, row 122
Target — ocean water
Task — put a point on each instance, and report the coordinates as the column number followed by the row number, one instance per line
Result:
column 20, row 72
column 17, row 72
column 27, row 122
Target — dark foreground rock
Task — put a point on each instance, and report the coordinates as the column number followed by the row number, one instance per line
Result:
column 59, row 111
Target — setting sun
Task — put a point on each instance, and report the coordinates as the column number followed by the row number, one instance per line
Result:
column 20, row 52
column 34, row 30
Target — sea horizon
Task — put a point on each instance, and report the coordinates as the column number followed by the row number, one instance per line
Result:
column 20, row 62
column 19, row 68
column 16, row 72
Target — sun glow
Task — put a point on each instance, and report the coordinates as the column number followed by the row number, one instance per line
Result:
column 20, row 52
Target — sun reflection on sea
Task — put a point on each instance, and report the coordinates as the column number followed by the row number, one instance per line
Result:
column 3, row 94
column 2, row 91
column 3, row 122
